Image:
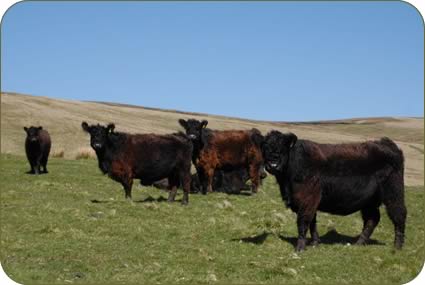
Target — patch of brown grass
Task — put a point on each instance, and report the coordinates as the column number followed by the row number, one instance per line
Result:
column 59, row 153
column 85, row 153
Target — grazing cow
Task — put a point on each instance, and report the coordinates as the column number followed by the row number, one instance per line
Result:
column 147, row 157
column 224, row 150
column 339, row 179
column 37, row 148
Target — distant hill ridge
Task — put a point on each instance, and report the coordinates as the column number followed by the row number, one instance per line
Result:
column 62, row 118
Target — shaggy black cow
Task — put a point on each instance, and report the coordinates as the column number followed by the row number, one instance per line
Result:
column 224, row 150
column 339, row 179
column 37, row 148
column 147, row 157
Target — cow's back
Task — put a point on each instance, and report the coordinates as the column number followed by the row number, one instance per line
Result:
column 153, row 157
column 230, row 146
column 349, row 159
column 350, row 175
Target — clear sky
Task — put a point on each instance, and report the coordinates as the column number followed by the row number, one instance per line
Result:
column 281, row 61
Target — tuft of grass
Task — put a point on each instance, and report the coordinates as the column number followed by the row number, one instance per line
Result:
column 60, row 153
column 85, row 153
column 74, row 225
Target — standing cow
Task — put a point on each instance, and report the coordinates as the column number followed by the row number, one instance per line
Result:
column 224, row 150
column 147, row 157
column 339, row 179
column 37, row 148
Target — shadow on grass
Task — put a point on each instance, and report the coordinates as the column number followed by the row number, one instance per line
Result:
column 151, row 199
column 258, row 239
column 33, row 173
column 332, row 237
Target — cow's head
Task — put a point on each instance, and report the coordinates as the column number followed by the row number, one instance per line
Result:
column 193, row 128
column 33, row 133
column 98, row 134
column 276, row 149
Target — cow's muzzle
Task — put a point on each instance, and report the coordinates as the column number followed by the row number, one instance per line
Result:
column 97, row 146
column 273, row 167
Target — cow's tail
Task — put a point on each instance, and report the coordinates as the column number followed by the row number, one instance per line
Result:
column 256, row 137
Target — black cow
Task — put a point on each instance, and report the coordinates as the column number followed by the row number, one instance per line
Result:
column 339, row 179
column 37, row 148
column 147, row 157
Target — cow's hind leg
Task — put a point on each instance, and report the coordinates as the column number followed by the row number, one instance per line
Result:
column 371, row 217
column 185, row 179
column 173, row 183
column 44, row 164
column 393, row 199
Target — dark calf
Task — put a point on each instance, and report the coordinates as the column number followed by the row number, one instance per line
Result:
column 147, row 157
column 339, row 179
column 37, row 148
column 218, row 150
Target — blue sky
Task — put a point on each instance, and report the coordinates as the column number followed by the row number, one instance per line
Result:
column 281, row 61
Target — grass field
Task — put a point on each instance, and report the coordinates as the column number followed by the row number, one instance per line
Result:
column 73, row 225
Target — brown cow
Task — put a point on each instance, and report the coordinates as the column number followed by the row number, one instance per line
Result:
column 226, row 150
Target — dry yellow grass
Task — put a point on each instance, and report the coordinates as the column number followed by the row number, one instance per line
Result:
column 58, row 153
column 62, row 118
column 85, row 153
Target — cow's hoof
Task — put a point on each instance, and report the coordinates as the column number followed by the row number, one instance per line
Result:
column 360, row 241
column 300, row 246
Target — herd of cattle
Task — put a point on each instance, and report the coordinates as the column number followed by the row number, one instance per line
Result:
column 336, row 178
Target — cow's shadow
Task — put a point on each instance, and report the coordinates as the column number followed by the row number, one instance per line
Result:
column 258, row 239
column 332, row 237
column 151, row 199
column 29, row 172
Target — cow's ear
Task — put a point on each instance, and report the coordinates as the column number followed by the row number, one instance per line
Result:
column 85, row 127
column 111, row 127
column 292, row 139
column 183, row 123
column 26, row 129
column 204, row 123
column 40, row 128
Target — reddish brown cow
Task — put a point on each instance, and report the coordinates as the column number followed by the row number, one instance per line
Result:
column 231, row 149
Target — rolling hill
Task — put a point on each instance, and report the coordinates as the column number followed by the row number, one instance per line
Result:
column 62, row 118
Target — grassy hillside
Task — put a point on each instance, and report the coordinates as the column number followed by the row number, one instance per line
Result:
column 62, row 118
column 74, row 226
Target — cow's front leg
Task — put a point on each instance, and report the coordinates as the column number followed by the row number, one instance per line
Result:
column 127, row 184
column 254, row 175
column 307, row 196
column 209, row 173
column 302, row 224
column 315, row 240
column 172, row 193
